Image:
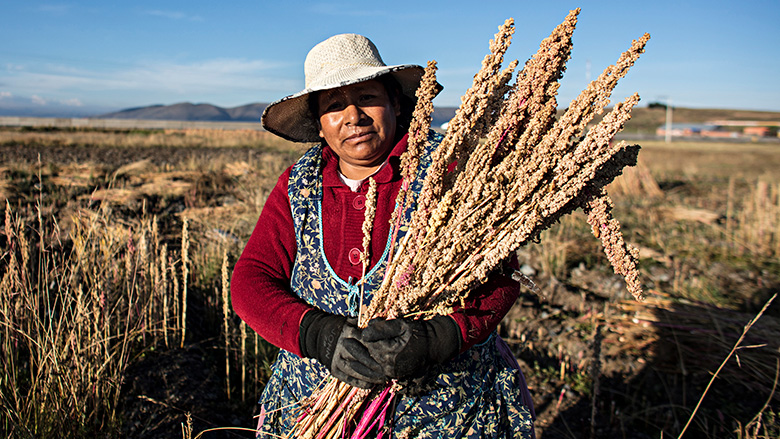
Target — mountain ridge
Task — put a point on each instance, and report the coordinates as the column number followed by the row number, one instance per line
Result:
column 187, row 111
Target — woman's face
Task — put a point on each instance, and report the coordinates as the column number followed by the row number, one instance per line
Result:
column 358, row 121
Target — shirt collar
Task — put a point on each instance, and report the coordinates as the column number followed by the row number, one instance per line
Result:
column 387, row 174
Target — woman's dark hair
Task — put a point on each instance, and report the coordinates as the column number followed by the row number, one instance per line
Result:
column 394, row 91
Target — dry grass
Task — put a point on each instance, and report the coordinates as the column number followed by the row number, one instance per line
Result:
column 714, row 159
column 186, row 138
column 705, row 218
column 74, row 308
column 88, row 287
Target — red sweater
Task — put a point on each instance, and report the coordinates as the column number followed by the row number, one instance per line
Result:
column 260, row 286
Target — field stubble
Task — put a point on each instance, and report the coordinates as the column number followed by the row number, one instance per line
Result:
column 97, row 267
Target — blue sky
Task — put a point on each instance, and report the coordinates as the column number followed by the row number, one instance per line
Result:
column 92, row 56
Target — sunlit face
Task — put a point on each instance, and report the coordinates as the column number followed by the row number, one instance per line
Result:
column 358, row 122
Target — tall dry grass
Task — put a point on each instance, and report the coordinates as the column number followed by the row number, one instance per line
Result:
column 706, row 222
column 89, row 287
column 753, row 221
column 74, row 309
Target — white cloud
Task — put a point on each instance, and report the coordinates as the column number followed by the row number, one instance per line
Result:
column 5, row 95
column 234, row 80
column 54, row 8
column 37, row 100
column 192, row 78
column 174, row 15
column 343, row 10
column 74, row 102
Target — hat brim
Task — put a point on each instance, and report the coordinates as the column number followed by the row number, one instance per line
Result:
column 291, row 119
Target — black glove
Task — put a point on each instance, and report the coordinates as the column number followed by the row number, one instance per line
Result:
column 406, row 348
column 335, row 342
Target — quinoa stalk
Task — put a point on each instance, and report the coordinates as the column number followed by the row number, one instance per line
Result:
column 368, row 225
column 504, row 207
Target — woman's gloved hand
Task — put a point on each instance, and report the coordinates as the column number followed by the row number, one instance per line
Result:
column 335, row 341
column 407, row 348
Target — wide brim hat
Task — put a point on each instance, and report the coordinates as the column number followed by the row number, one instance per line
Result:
column 338, row 61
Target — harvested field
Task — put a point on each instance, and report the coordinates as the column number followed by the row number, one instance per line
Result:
column 99, row 217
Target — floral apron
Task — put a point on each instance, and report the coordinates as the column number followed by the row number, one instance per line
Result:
column 479, row 394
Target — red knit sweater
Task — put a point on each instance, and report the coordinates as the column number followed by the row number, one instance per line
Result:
column 260, row 285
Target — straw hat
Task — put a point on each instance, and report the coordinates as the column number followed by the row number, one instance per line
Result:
column 338, row 61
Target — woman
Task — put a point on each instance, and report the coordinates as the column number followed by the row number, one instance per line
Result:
column 296, row 283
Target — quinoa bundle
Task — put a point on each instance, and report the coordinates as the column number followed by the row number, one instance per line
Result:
column 530, row 170
column 517, row 170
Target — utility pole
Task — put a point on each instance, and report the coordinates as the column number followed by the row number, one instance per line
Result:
column 668, row 133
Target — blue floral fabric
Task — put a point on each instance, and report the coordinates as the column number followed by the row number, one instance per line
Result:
column 479, row 394
column 476, row 395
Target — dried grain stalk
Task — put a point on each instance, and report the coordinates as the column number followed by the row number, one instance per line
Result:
column 530, row 170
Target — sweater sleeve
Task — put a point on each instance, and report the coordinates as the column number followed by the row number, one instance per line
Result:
column 260, row 285
column 485, row 307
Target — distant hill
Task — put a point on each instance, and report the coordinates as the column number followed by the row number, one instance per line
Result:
column 191, row 112
column 207, row 112
column 644, row 120
column 248, row 113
